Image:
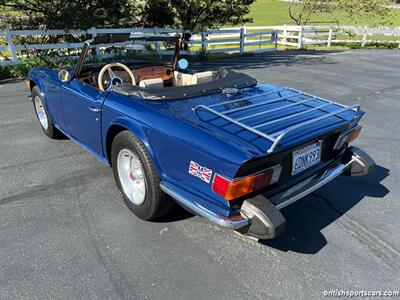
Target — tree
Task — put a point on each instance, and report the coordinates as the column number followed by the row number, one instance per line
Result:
column 375, row 11
column 72, row 14
column 301, row 11
column 157, row 13
column 195, row 15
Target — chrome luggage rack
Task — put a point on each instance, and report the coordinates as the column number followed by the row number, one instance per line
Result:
column 276, row 137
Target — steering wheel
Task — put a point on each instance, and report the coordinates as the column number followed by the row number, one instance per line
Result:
column 114, row 78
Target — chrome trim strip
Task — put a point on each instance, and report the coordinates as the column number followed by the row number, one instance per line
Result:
column 323, row 99
column 279, row 135
column 276, row 109
column 249, row 128
column 224, row 112
column 204, row 212
column 292, row 115
column 328, row 176
column 343, row 136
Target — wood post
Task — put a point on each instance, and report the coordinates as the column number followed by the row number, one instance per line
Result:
column 11, row 46
column 242, row 37
column 364, row 40
column 245, row 32
column 156, row 32
column 93, row 32
column 300, row 38
column 275, row 38
column 284, row 40
column 203, row 42
column 330, row 36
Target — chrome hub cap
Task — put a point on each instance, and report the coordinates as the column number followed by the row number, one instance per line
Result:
column 131, row 176
column 41, row 113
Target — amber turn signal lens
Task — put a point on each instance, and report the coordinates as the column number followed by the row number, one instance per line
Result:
column 231, row 190
column 354, row 134
column 27, row 85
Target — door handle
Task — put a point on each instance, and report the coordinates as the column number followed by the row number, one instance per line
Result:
column 94, row 109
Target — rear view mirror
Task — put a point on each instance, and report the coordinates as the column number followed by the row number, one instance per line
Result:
column 183, row 64
column 64, row 75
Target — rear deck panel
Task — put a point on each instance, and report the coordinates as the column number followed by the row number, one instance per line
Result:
column 275, row 119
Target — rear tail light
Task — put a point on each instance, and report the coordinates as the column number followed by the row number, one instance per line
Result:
column 347, row 137
column 233, row 189
column 354, row 134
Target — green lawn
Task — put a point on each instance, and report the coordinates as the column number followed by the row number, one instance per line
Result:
column 273, row 12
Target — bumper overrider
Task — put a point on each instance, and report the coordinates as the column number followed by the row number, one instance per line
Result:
column 259, row 216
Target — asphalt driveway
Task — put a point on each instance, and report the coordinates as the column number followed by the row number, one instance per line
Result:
column 65, row 233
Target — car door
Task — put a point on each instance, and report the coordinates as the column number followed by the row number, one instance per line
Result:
column 82, row 105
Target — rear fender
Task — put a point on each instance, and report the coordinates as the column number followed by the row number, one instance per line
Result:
column 136, row 128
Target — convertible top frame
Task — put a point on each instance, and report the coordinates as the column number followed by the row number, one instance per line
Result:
column 114, row 38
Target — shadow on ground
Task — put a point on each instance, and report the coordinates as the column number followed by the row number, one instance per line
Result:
column 177, row 213
column 308, row 217
column 305, row 220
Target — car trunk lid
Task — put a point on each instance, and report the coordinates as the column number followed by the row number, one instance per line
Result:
column 265, row 119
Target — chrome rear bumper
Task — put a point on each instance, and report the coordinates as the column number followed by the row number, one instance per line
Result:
column 360, row 164
column 308, row 186
column 231, row 223
column 265, row 214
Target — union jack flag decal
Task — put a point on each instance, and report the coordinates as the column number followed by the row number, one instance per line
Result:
column 201, row 172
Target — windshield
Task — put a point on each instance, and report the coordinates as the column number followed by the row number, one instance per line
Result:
column 133, row 52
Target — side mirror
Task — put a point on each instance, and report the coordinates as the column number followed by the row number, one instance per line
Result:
column 183, row 64
column 64, row 75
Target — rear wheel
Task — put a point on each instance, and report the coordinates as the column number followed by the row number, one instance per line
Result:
column 137, row 178
column 42, row 115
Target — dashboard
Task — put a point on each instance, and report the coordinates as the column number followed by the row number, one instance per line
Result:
column 163, row 72
column 148, row 72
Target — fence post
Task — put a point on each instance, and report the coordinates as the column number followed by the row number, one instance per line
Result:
column 300, row 38
column 364, row 40
column 284, row 34
column 156, row 32
column 93, row 32
column 242, row 36
column 203, row 42
column 275, row 38
column 330, row 36
column 11, row 46
column 245, row 32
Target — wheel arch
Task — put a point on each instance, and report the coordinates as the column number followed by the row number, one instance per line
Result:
column 32, row 84
column 133, row 127
column 34, row 81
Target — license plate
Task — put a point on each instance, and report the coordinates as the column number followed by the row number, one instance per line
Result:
column 306, row 157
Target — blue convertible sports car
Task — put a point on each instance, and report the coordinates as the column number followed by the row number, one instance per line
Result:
column 219, row 143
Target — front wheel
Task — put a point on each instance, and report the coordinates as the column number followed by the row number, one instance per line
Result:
column 43, row 116
column 137, row 178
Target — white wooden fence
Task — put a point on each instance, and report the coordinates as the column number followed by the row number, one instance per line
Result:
column 226, row 40
column 211, row 41
column 299, row 36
